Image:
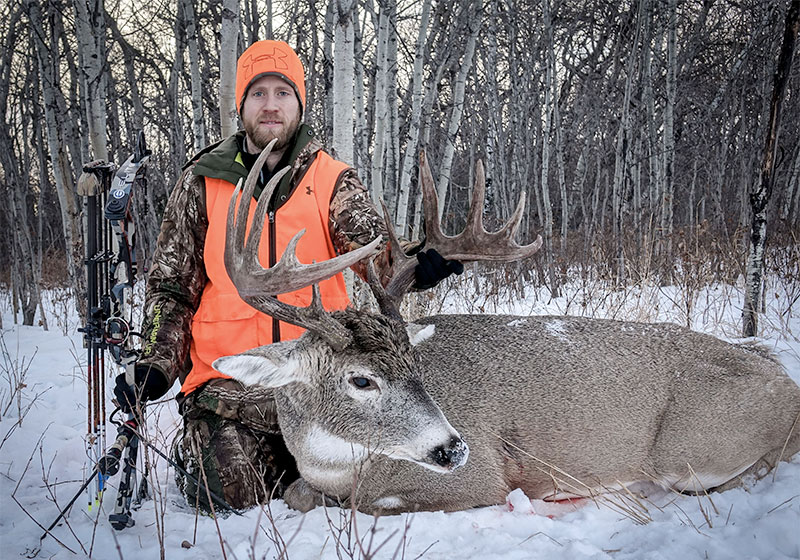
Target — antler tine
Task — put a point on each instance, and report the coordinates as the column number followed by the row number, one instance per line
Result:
column 402, row 272
column 475, row 243
column 475, row 213
column 258, row 286
column 401, row 275
column 236, row 252
column 430, row 200
column 472, row 244
column 509, row 230
column 388, row 304
column 259, row 219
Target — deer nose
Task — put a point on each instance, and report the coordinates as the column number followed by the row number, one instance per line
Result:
column 452, row 455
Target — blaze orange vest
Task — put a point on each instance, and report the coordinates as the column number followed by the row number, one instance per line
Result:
column 224, row 324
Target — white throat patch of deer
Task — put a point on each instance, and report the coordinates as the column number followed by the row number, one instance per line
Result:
column 482, row 405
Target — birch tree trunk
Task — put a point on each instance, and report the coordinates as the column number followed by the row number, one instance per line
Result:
column 381, row 105
column 228, row 49
column 328, row 71
column 493, row 108
column 392, row 158
column 621, row 157
column 668, row 189
column 789, row 208
column 15, row 187
column 90, row 30
column 458, row 109
column 547, row 206
column 174, row 97
column 55, row 113
column 362, row 133
column 760, row 193
column 427, row 107
column 198, row 122
column 343, row 76
column 401, row 216
column 559, row 146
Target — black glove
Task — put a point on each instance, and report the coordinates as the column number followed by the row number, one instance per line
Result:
column 433, row 268
column 149, row 383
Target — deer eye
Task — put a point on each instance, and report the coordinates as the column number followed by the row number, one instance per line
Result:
column 362, row 382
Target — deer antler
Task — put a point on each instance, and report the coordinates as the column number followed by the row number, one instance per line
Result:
column 258, row 286
column 472, row 244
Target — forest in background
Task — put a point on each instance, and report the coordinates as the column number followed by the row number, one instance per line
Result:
column 636, row 128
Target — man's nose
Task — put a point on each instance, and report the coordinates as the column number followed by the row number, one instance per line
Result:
column 270, row 103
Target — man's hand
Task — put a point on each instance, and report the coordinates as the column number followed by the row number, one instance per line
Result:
column 432, row 268
column 149, row 384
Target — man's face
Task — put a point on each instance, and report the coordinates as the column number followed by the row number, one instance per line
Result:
column 271, row 110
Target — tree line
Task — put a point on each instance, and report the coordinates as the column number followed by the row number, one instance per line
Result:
column 634, row 127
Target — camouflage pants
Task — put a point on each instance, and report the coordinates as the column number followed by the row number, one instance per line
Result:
column 231, row 439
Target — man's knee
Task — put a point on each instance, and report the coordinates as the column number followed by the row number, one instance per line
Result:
column 242, row 466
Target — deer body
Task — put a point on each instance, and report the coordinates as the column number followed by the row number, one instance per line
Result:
column 606, row 402
column 480, row 405
column 557, row 406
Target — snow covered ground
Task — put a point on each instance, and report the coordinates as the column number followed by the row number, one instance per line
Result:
column 43, row 461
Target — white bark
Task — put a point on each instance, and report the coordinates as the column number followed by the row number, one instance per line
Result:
column 427, row 107
column 392, row 165
column 90, row 31
column 401, row 216
column 328, row 70
column 177, row 143
column 458, row 108
column 792, row 189
column 343, row 77
column 229, row 42
column 493, row 111
column 198, row 122
column 362, row 134
column 760, row 193
column 547, row 207
column 55, row 115
column 381, row 104
column 621, row 153
column 668, row 189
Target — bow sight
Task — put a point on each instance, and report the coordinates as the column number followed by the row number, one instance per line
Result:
column 111, row 271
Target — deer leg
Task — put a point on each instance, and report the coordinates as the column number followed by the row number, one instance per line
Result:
column 303, row 497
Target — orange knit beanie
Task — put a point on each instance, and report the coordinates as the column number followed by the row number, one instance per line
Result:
column 265, row 58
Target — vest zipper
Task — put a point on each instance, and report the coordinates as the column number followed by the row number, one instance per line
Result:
column 273, row 259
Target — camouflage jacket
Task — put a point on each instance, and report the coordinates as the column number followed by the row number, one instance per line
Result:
column 177, row 276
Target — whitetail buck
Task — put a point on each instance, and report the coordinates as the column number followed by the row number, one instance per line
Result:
column 458, row 410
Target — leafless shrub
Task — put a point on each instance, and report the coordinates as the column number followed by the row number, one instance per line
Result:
column 12, row 394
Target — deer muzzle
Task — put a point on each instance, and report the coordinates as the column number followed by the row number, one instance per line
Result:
column 450, row 456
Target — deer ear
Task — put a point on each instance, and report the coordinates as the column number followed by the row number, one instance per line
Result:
column 269, row 366
column 419, row 333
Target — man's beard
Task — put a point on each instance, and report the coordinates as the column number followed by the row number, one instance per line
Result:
column 261, row 138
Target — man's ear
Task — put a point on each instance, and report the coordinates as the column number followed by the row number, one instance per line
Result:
column 269, row 366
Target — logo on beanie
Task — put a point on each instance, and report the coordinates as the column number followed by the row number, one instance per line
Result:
column 277, row 56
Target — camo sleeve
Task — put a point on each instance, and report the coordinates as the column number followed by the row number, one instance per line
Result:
column 176, row 281
column 354, row 222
